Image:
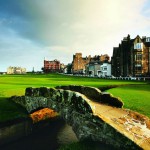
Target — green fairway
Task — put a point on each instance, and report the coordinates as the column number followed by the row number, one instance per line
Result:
column 16, row 85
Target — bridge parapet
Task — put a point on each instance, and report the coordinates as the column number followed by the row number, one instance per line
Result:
column 95, row 94
column 52, row 98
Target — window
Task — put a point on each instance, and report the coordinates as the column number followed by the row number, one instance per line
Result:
column 148, row 39
column 138, row 68
column 138, row 46
column 138, row 57
column 105, row 68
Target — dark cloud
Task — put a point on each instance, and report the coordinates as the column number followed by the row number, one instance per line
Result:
column 10, row 7
column 41, row 21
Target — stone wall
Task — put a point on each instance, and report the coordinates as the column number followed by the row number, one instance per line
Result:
column 95, row 94
column 73, row 107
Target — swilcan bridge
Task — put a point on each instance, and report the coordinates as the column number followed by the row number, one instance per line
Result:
column 92, row 114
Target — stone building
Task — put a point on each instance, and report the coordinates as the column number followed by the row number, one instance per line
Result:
column 51, row 66
column 79, row 63
column 132, row 57
column 104, row 58
column 16, row 70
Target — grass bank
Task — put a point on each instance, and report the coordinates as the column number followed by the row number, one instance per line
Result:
column 10, row 111
column 16, row 84
column 86, row 145
column 135, row 97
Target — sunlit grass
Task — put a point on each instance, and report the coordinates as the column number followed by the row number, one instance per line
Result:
column 16, row 84
column 135, row 97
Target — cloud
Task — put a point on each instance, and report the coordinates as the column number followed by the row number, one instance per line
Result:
column 62, row 21
column 56, row 29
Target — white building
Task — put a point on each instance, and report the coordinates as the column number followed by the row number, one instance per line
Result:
column 65, row 70
column 105, row 70
column 16, row 70
column 98, row 69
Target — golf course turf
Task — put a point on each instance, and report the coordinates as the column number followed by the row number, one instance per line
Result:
column 135, row 94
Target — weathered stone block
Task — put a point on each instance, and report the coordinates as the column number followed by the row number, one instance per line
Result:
column 36, row 92
column 29, row 91
column 108, row 98
column 92, row 93
column 44, row 91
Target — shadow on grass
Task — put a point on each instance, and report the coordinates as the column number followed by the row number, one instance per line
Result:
column 10, row 111
column 87, row 145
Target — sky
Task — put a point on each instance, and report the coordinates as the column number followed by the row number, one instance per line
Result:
column 34, row 30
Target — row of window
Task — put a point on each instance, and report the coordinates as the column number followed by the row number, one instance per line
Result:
column 102, row 68
column 52, row 68
column 46, row 65
column 51, row 62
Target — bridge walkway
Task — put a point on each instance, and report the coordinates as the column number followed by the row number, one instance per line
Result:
column 123, row 120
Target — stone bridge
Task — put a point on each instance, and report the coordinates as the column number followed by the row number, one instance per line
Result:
column 92, row 114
